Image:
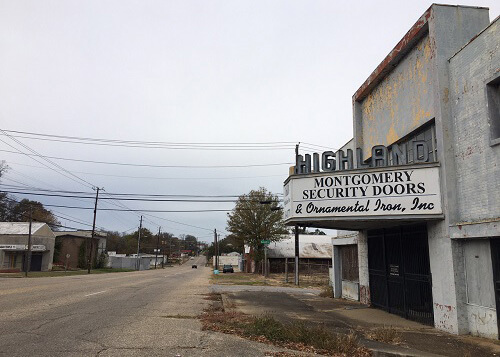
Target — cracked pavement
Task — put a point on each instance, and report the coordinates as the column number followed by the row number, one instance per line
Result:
column 116, row 314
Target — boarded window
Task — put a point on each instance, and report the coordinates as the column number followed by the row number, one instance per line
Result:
column 493, row 92
column 349, row 260
column 478, row 273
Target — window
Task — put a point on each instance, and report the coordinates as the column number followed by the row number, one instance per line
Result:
column 493, row 94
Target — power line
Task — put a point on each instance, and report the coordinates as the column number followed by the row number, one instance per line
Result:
column 157, row 143
column 150, row 165
column 51, row 162
column 131, row 199
column 183, row 224
column 19, row 152
column 174, row 147
column 141, row 210
column 35, row 188
column 129, row 194
column 158, row 178
column 80, row 180
column 161, row 218
column 50, row 224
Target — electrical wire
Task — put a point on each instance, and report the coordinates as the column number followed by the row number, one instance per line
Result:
column 91, row 194
column 158, row 178
column 132, row 199
column 150, row 165
column 156, row 143
column 141, row 210
column 33, row 219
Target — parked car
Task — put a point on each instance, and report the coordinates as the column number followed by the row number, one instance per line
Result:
column 194, row 266
column 227, row 269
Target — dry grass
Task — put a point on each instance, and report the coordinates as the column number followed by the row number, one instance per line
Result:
column 306, row 281
column 386, row 334
column 213, row 297
column 327, row 291
column 266, row 329
column 179, row 316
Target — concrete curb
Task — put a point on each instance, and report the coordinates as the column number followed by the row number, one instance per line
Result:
column 378, row 349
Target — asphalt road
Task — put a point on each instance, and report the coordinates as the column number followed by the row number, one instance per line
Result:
column 117, row 314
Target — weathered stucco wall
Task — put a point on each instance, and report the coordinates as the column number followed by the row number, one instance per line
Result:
column 470, row 70
column 401, row 102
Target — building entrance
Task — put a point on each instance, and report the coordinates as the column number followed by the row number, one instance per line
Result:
column 399, row 269
column 495, row 257
column 36, row 262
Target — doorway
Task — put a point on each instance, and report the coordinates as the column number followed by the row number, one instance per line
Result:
column 36, row 262
column 399, row 272
column 495, row 258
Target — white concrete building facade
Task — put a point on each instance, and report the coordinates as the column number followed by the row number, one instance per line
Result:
column 418, row 186
column 14, row 246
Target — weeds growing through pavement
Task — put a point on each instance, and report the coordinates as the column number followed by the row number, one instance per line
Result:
column 316, row 339
column 327, row 291
column 386, row 334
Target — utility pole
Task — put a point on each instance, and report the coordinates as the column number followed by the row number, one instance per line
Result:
column 216, row 260
column 265, row 260
column 170, row 249
column 139, row 246
column 157, row 245
column 297, row 254
column 89, row 244
column 28, row 253
column 218, row 250
column 163, row 254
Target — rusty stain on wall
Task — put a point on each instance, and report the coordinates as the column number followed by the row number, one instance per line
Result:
column 443, row 316
column 401, row 102
column 364, row 294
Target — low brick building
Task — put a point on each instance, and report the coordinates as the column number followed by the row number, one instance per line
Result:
column 72, row 244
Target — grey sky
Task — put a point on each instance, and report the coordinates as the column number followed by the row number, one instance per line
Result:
column 186, row 71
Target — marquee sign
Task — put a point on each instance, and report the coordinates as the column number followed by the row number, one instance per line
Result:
column 390, row 191
column 381, row 156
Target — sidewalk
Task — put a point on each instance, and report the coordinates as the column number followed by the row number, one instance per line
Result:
column 290, row 305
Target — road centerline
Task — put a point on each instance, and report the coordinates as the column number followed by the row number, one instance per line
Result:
column 99, row 292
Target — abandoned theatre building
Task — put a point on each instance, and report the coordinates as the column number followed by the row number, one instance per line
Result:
column 416, row 192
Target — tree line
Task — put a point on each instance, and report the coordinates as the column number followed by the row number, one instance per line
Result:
column 166, row 242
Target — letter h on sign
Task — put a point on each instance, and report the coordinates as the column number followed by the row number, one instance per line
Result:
column 303, row 166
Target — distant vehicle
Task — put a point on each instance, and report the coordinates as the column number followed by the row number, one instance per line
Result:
column 194, row 266
column 227, row 269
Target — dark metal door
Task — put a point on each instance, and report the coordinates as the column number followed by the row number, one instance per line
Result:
column 36, row 262
column 399, row 269
column 495, row 257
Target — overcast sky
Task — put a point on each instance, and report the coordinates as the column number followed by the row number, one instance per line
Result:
column 184, row 72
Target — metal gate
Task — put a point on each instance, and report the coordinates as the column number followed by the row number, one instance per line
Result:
column 400, row 278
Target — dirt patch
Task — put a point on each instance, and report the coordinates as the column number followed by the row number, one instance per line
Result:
column 179, row 316
column 326, row 291
column 213, row 297
column 298, row 336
